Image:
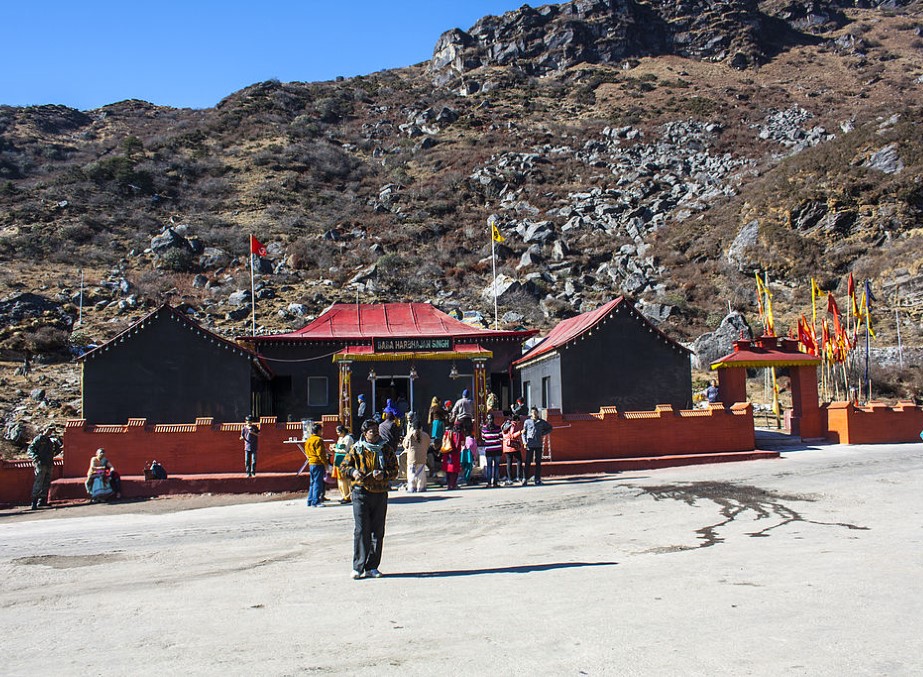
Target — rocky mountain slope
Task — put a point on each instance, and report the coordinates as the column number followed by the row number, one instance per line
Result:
column 665, row 150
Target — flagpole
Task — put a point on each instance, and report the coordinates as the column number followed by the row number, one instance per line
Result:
column 252, row 292
column 897, row 323
column 491, row 222
column 80, row 312
column 868, row 323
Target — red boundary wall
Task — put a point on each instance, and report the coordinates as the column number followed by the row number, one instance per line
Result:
column 195, row 448
column 662, row 432
column 204, row 447
column 875, row 423
column 17, row 478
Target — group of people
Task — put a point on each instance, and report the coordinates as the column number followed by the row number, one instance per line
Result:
column 448, row 441
column 460, row 448
column 365, row 468
column 102, row 481
column 365, row 465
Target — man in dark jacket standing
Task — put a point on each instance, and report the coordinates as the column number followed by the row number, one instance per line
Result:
column 387, row 430
column 533, row 433
column 370, row 465
column 42, row 451
column 250, row 434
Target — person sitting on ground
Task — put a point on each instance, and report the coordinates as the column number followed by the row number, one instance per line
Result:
column 416, row 444
column 102, row 479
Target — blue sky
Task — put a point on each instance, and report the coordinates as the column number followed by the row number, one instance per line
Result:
column 89, row 53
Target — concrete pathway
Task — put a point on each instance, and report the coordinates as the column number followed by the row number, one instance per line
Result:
column 805, row 565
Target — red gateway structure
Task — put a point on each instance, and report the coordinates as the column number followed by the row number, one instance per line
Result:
column 774, row 351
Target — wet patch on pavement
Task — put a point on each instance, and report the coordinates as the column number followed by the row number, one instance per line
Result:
column 70, row 561
column 736, row 500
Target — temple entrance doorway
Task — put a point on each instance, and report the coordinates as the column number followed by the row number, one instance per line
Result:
column 395, row 388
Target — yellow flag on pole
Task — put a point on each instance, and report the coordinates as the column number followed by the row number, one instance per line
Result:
column 776, row 405
column 495, row 232
column 816, row 293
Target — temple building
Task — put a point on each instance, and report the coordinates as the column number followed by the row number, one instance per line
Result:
column 405, row 352
column 611, row 356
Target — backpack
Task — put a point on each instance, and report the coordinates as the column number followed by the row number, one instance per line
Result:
column 157, row 471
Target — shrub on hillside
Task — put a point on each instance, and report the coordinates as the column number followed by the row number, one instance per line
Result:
column 177, row 260
column 894, row 383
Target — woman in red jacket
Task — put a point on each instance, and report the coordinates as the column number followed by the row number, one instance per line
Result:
column 452, row 443
column 512, row 449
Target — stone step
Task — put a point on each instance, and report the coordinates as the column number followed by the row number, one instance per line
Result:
column 135, row 486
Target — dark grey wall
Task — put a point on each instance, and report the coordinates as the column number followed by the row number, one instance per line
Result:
column 167, row 373
column 621, row 364
column 625, row 365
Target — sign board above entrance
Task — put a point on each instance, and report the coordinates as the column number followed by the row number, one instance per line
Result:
column 412, row 344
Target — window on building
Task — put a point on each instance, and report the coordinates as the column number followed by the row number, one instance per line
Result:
column 546, row 392
column 527, row 392
column 317, row 391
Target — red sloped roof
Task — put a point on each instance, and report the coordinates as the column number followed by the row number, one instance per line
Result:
column 351, row 321
column 574, row 327
column 570, row 329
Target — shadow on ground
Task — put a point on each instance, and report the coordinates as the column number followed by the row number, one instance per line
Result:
column 773, row 440
column 524, row 569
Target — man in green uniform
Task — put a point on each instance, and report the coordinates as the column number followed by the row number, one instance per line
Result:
column 42, row 451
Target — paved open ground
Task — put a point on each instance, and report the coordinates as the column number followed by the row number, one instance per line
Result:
column 806, row 565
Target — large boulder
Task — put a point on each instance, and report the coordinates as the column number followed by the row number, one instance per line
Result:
column 213, row 258
column 506, row 289
column 747, row 238
column 714, row 345
column 168, row 239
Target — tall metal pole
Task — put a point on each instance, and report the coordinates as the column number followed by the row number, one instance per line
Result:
column 900, row 349
column 80, row 312
column 491, row 222
column 868, row 322
column 252, row 295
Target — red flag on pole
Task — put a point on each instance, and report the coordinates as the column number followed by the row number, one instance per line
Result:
column 851, row 291
column 806, row 336
column 256, row 247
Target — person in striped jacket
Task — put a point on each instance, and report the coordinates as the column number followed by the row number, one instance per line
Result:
column 492, row 438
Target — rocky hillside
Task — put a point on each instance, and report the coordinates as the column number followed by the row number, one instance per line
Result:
column 665, row 150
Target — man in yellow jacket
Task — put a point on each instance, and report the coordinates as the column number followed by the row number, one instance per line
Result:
column 370, row 465
column 317, row 462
